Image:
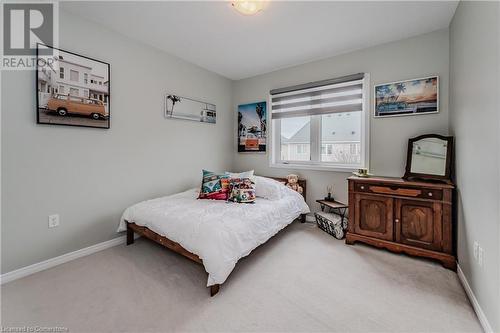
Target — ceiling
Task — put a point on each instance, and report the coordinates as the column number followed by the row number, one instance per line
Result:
column 216, row 37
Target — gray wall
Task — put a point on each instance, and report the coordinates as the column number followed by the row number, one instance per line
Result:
column 475, row 123
column 410, row 58
column 89, row 176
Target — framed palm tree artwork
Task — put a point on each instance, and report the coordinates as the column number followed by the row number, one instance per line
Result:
column 252, row 127
column 407, row 98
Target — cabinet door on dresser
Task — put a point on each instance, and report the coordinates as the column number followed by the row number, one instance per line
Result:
column 374, row 216
column 419, row 223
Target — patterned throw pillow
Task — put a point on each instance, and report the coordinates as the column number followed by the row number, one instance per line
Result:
column 214, row 186
column 242, row 190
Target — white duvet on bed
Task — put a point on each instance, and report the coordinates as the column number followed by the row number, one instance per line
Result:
column 219, row 232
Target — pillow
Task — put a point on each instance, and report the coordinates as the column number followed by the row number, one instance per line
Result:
column 268, row 188
column 214, row 186
column 242, row 190
column 246, row 174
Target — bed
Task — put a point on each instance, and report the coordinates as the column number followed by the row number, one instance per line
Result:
column 213, row 233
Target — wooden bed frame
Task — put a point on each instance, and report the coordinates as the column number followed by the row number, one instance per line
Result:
column 176, row 247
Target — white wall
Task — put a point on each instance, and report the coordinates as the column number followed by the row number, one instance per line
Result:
column 89, row 176
column 475, row 123
column 410, row 58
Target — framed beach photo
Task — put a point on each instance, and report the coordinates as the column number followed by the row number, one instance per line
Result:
column 72, row 90
column 407, row 98
column 252, row 127
column 185, row 108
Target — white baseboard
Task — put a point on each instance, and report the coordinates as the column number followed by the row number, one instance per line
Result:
column 475, row 304
column 28, row 270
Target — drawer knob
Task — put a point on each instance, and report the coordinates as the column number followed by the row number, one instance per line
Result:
column 362, row 187
column 397, row 221
column 430, row 194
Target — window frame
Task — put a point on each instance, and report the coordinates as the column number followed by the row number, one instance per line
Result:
column 315, row 161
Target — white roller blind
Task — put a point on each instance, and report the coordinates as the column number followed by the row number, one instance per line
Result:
column 343, row 94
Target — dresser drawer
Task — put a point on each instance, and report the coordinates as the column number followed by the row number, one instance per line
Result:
column 400, row 191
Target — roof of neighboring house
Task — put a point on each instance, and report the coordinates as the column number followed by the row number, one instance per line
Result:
column 340, row 128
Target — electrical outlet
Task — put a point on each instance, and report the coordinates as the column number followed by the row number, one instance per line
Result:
column 476, row 246
column 480, row 257
column 53, row 220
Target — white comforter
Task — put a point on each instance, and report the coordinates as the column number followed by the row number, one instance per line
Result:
column 219, row 232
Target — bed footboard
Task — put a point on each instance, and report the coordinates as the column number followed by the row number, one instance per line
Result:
column 171, row 245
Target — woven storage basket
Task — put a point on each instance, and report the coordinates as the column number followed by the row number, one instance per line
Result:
column 331, row 223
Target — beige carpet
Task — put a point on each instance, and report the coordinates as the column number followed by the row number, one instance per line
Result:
column 301, row 280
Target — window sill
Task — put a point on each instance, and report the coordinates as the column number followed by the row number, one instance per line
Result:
column 347, row 169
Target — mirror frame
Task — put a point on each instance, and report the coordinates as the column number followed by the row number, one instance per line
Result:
column 449, row 156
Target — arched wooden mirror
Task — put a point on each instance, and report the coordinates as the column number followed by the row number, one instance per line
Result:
column 429, row 158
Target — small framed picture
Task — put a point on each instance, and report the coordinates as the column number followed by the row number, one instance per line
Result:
column 178, row 107
column 72, row 90
column 252, row 127
column 407, row 98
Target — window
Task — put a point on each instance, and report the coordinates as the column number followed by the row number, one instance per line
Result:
column 295, row 139
column 74, row 75
column 321, row 125
column 61, row 89
column 61, row 72
column 85, row 78
column 74, row 92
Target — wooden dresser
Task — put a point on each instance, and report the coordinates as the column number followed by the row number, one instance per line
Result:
column 402, row 216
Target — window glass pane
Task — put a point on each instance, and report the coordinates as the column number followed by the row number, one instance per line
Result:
column 73, row 75
column 296, row 139
column 341, row 138
column 74, row 92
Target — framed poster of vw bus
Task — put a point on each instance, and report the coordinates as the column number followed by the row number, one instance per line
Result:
column 72, row 89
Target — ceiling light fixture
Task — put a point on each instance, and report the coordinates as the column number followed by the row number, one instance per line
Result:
column 247, row 7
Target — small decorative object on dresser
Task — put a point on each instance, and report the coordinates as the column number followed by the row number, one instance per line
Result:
column 413, row 217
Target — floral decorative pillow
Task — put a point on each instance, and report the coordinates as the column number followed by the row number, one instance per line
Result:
column 242, row 190
column 214, row 186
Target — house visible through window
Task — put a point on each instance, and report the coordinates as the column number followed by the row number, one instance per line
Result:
column 320, row 124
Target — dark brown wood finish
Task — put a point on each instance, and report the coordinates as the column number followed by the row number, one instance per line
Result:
column 373, row 216
column 402, row 216
column 419, row 223
column 176, row 247
column 447, row 177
